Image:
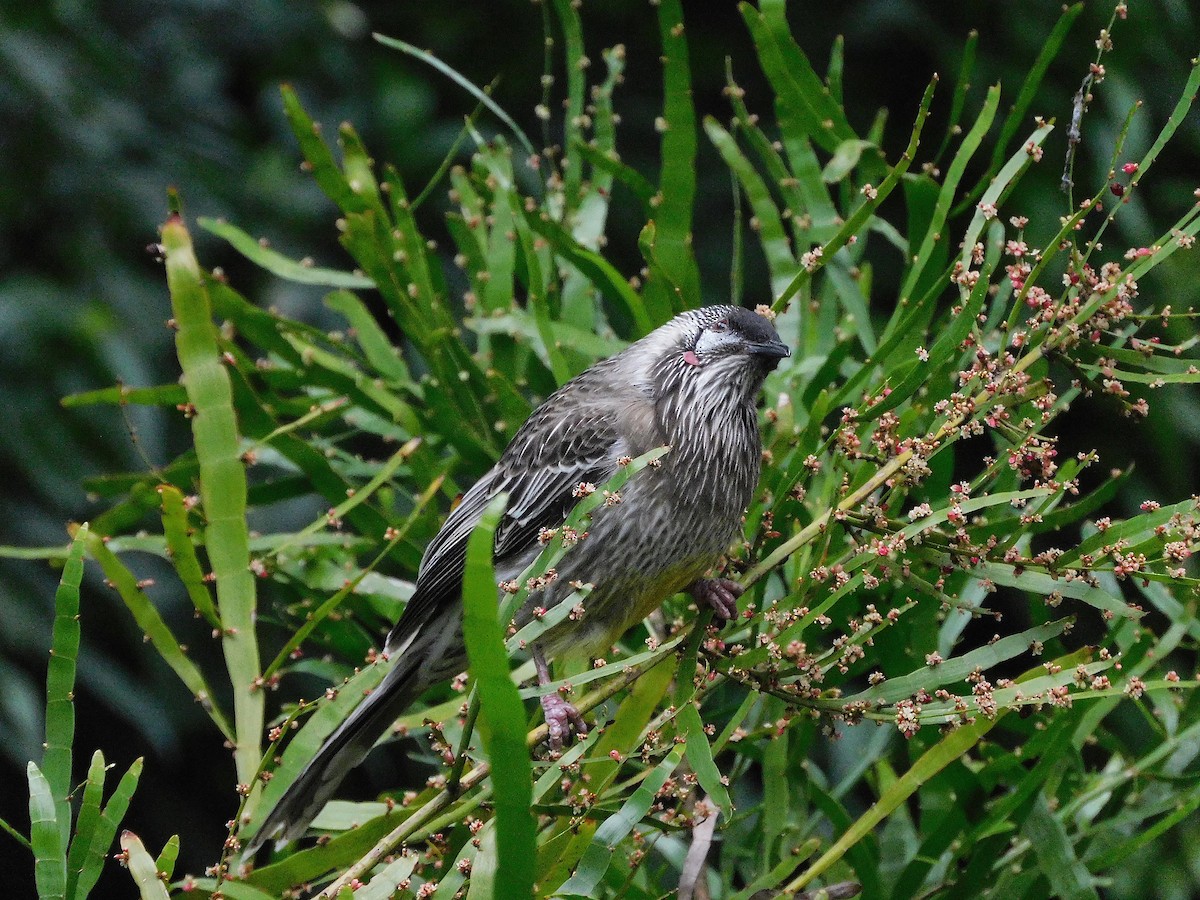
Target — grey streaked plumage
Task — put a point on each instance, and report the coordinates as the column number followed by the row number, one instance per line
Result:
column 691, row 384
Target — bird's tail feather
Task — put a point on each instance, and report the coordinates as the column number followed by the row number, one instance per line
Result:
column 344, row 749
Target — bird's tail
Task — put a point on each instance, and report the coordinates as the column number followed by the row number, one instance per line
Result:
column 344, row 749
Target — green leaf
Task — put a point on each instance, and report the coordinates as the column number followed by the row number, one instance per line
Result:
column 142, row 868
column 795, row 82
column 772, row 236
column 845, row 158
column 484, row 865
column 380, row 351
column 60, row 686
column 501, row 715
column 700, row 758
column 865, row 212
column 576, row 66
column 957, row 668
column 183, row 553
column 676, row 279
column 620, row 739
column 937, row 230
column 50, row 859
column 278, row 264
column 120, row 395
column 86, row 825
column 1068, row 876
column 233, row 890
column 598, row 270
column 317, row 154
column 463, row 82
column 940, row 755
column 599, row 854
column 222, row 489
column 301, row 748
column 157, row 630
column 98, row 827
column 384, row 884
column 1033, row 80
column 165, row 862
column 1046, row 584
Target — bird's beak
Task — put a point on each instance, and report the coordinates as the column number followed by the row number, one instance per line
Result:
column 775, row 350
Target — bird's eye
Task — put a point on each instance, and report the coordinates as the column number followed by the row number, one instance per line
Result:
column 719, row 325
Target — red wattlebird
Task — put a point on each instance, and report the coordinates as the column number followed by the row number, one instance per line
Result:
column 692, row 385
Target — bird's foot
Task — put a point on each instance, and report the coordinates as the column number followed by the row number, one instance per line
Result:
column 561, row 717
column 719, row 593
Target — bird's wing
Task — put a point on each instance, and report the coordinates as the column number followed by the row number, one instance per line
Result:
column 552, row 453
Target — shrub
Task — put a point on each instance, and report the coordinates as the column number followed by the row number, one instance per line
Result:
column 859, row 723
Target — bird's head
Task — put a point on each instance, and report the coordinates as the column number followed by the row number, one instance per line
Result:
column 726, row 349
column 733, row 334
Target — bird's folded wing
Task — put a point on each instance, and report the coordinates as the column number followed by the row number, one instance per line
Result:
column 540, row 472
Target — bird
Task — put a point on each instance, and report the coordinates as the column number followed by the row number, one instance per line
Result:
column 691, row 385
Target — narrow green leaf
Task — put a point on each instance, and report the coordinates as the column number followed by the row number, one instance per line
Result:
column 60, row 686
column 484, row 865
column 234, row 890
column 222, row 489
column 468, row 864
column 50, row 859
column 621, row 737
column 1029, row 87
column 598, row 270
column 344, row 815
column 157, row 630
column 95, row 850
column 937, row 231
column 1068, row 876
column 998, row 187
column 845, row 158
column 316, row 862
column 1115, row 855
column 1186, row 98
column 599, row 854
column 85, row 829
column 183, row 553
column 359, row 170
column 120, row 395
column 959, row 667
column 165, row 862
column 385, row 883
column 317, row 154
column 301, row 748
column 641, row 186
column 677, row 175
column 795, row 82
column 142, row 869
column 700, row 758
column 278, row 264
column 12, row 832
column 576, row 67
column 865, row 212
column 940, row 755
column 962, row 85
column 1046, row 584
column 501, row 716
column 776, row 799
column 380, row 351
column 773, row 238
column 463, row 82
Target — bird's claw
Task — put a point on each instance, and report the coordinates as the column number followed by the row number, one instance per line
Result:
column 719, row 593
column 561, row 718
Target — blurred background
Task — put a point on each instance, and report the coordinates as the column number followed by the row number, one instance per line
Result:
column 104, row 105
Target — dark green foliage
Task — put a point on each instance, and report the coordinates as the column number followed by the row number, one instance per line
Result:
column 966, row 658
